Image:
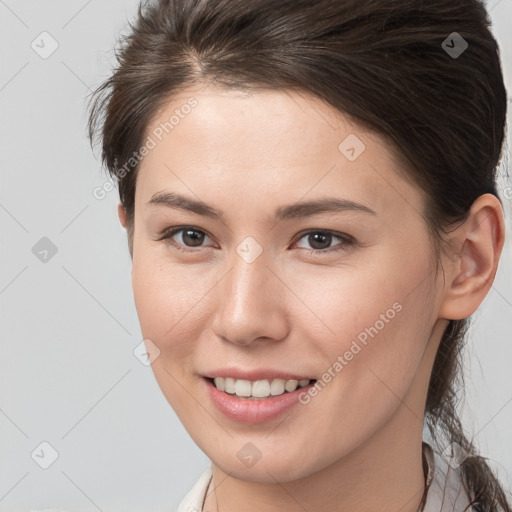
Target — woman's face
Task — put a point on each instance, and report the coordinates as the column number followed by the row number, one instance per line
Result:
column 246, row 291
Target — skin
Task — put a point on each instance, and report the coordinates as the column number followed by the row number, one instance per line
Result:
column 357, row 444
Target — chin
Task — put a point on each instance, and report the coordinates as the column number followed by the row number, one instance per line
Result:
column 267, row 469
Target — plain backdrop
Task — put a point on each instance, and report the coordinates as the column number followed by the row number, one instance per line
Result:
column 68, row 373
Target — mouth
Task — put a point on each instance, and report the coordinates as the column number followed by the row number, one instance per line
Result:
column 237, row 399
column 263, row 389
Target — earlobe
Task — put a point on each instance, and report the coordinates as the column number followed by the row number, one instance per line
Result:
column 121, row 212
column 472, row 273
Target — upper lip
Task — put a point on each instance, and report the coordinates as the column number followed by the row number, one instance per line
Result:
column 256, row 374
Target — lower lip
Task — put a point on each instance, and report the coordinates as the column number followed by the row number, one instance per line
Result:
column 254, row 411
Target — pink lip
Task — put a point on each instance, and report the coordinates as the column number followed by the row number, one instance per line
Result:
column 258, row 374
column 253, row 411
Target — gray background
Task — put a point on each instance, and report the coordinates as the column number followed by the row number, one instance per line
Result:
column 68, row 375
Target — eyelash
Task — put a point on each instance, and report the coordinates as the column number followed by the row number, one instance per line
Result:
column 347, row 240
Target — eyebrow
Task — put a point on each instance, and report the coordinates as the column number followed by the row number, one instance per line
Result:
column 292, row 211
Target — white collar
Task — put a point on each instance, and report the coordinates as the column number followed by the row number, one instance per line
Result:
column 446, row 490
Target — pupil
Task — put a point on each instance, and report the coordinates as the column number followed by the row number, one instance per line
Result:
column 196, row 240
column 316, row 235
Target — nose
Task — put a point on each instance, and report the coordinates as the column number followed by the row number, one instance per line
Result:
column 250, row 303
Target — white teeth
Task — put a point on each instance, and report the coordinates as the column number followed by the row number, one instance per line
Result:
column 229, row 385
column 219, row 383
column 243, row 387
column 277, row 387
column 291, row 385
column 260, row 388
column 257, row 389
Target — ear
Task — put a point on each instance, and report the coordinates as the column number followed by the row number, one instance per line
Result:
column 121, row 213
column 473, row 267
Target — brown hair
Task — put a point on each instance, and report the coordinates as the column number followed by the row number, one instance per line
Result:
column 382, row 62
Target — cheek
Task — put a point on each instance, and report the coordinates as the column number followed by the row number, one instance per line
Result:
column 168, row 304
column 379, row 324
column 375, row 322
column 366, row 299
column 167, row 295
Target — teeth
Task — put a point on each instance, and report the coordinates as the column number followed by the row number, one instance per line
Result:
column 243, row 388
column 291, row 385
column 258, row 388
column 220, row 383
column 277, row 387
column 229, row 385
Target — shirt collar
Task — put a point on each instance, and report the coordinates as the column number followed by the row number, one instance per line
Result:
column 445, row 489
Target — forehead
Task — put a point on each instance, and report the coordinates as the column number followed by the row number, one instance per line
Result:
column 266, row 142
column 290, row 126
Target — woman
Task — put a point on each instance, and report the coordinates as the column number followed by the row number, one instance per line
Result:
column 309, row 191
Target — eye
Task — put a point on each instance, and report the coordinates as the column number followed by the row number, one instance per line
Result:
column 321, row 238
column 190, row 235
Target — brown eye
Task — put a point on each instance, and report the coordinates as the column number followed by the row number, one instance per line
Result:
column 192, row 237
column 187, row 237
column 321, row 241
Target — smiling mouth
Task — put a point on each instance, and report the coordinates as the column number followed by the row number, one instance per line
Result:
column 257, row 390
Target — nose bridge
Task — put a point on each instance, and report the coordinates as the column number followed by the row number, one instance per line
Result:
column 249, row 299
